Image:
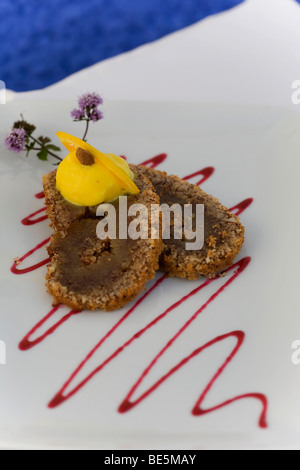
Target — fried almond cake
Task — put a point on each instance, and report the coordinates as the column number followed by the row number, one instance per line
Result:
column 223, row 232
column 90, row 272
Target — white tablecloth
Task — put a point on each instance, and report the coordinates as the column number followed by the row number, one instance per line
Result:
column 247, row 55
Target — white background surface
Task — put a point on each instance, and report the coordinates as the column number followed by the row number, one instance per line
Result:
column 249, row 55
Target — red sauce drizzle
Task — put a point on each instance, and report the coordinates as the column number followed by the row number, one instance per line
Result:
column 40, row 195
column 205, row 173
column 26, row 343
column 239, row 208
column 29, row 221
column 15, row 270
column 126, row 405
column 155, row 161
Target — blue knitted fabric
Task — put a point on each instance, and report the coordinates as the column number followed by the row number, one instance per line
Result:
column 43, row 41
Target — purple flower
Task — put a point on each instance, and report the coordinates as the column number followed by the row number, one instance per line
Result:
column 16, row 139
column 87, row 110
column 95, row 115
column 77, row 114
column 89, row 100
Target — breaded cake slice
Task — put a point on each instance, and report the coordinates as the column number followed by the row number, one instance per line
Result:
column 223, row 231
column 86, row 272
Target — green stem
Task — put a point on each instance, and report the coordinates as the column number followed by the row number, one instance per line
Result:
column 86, row 129
column 41, row 146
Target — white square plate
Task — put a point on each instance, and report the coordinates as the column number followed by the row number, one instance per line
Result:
column 255, row 153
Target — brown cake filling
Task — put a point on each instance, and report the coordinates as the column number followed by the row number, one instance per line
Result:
column 94, row 262
column 215, row 230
